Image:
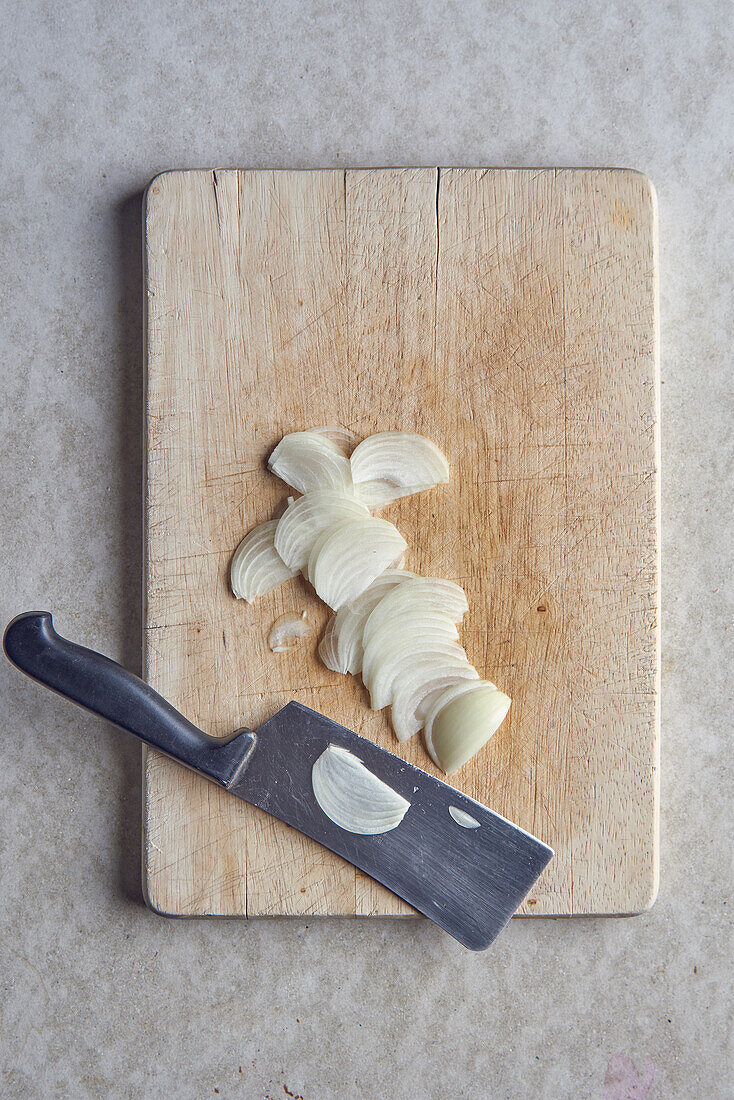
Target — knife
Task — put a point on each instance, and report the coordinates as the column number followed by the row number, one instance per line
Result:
column 469, row 880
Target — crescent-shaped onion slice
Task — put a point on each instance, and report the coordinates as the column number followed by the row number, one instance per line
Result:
column 341, row 646
column 390, row 465
column 256, row 565
column 344, row 439
column 460, row 723
column 310, row 460
column 352, row 796
column 346, row 558
column 417, row 597
column 396, row 646
column 306, row 518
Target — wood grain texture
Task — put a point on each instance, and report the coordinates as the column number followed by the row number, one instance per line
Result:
column 509, row 315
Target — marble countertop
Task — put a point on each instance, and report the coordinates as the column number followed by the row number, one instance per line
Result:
column 102, row 998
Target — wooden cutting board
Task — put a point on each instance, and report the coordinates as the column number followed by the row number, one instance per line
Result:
column 511, row 317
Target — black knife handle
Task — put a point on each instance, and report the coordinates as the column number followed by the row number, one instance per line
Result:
column 109, row 690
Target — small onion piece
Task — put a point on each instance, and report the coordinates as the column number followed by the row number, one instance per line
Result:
column 420, row 596
column 398, row 645
column 460, row 723
column 341, row 646
column 285, row 631
column 411, row 688
column 390, row 465
column 346, row 558
column 306, row 518
column 256, row 565
column 310, row 460
column 352, row 796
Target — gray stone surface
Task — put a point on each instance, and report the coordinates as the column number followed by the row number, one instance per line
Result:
column 101, row 998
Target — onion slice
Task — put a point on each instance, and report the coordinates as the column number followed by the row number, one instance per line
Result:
column 390, row 465
column 285, row 631
column 461, row 722
column 352, row 796
column 306, row 518
column 346, row 558
column 256, row 565
column 420, row 596
column 344, row 439
column 341, row 646
column 310, row 460
column 401, row 644
column 424, row 678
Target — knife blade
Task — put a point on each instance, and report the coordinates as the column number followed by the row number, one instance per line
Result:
column 469, row 881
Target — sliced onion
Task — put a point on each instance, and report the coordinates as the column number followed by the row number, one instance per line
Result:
column 461, row 817
column 390, row 465
column 256, row 566
column 461, row 722
column 346, row 558
column 310, row 515
column 427, row 675
column 341, row 646
column 285, row 631
column 396, row 646
column 352, row 796
column 309, row 460
column 344, row 439
column 420, row 596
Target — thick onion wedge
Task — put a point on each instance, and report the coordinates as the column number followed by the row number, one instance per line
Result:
column 460, row 723
column 306, row 518
column 256, row 565
column 341, row 646
column 346, row 558
column 413, row 686
column 420, row 596
column 310, row 460
column 402, row 644
column 352, row 796
column 390, row 465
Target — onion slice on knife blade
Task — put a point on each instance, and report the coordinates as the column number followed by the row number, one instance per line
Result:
column 390, row 465
column 346, row 558
column 460, row 723
column 352, row 796
column 256, row 565
column 306, row 518
column 310, row 460
column 341, row 646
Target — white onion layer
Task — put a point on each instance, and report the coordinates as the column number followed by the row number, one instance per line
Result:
column 461, row 724
column 341, row 647
column 390, row 465
column 353, row 797
column 256, row 565
column 306, row 518
column 344, row 439
column 286, row 631
column 346, row 558
column 310, row 460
